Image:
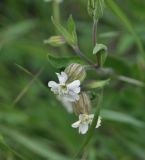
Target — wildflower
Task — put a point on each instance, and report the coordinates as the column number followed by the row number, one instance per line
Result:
column 70, row 91
column 84, row 121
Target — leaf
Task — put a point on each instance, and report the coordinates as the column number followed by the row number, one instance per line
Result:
column 121, row 117
column 59, row 62
column 97, row 84
column 101, row 51
column 72, row 28
column 66, row 33
column 131, row 81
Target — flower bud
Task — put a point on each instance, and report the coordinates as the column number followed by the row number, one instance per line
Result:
column 95, row 8
column 83, row 105
column 55, row 41
column 75, row 72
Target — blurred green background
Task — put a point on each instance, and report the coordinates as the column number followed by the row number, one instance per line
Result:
column 33, row 124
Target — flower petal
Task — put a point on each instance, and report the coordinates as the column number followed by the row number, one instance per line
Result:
column 55, row 90
column 74, row 86
column 52, row 84
column 62, row 77
column 74, row 95
column 76, row 124
column 69, row 98
column 98, row 122
column 83, row 128
column 81, row 116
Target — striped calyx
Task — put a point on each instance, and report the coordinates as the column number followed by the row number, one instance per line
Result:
column 83, row 105
column 55, row 41
column 75, row 72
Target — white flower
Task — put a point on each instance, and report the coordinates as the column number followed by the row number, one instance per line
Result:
column 84, row 121
column 69, row 91
column 67, row 104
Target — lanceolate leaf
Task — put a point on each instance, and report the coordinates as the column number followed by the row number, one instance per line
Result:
column 59, row 62
column 121, row 117
column 101, row 51
column 72, row 28
column 68, row 34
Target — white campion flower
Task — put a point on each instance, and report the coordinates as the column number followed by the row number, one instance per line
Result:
column 69, row 91
column 84, row 121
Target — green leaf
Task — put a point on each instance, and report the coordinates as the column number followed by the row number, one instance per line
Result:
column 121, row 117
column 69, row 37
column 59, row 62
column 72, row 28
column 97, row 84
column 101, row 51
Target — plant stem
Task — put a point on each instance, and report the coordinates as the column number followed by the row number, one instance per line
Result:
column 94, row 32
column 81, row 54
column 56, row 11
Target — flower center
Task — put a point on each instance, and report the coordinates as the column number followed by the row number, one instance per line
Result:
column 63, row 89
column 85, row 118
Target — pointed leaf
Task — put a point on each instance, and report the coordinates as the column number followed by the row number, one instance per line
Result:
column 65, row 33
column 72, row 28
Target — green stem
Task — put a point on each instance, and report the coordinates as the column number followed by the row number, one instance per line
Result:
column 94, row 32
column 56, row 11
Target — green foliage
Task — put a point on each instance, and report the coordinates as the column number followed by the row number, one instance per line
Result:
column 69, row 33
column 34, row 125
